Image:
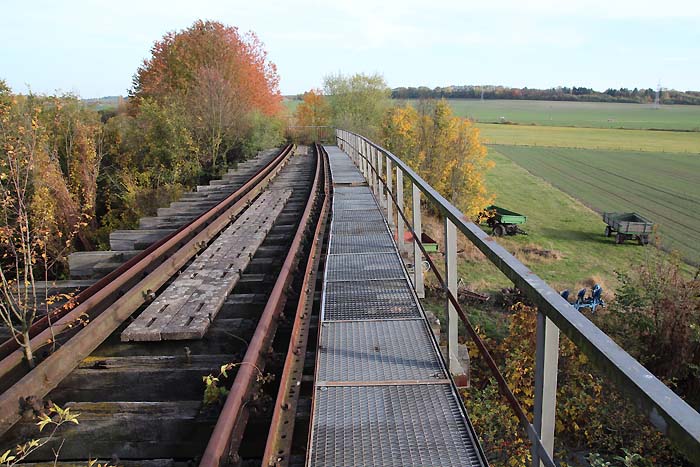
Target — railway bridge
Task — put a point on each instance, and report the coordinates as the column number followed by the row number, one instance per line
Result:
column 273, row 318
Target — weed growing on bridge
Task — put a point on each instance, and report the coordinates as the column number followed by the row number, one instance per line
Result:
column 215, row 391
column 53, row 417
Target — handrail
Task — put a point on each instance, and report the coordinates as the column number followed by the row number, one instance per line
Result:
column 530, row 430
column 670, row 414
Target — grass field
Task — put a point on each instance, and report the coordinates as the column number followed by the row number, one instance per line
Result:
column 557, row 223
column 665, row 187
column 290, row 104
column 580, row 114
column 592, row 138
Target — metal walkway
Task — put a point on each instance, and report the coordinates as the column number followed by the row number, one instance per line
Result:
column 382, row 396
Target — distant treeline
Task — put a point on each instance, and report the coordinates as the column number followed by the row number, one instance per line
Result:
column 582, row 94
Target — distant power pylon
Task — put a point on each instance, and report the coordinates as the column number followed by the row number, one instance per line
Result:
column 657, row 99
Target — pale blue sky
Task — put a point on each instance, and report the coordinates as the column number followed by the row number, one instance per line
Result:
column 94, row 47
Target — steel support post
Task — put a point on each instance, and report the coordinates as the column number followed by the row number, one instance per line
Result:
column 380, row 187
column 370, row 171
column 368, row 164
column 367, row 173
column 375, row 172
column 353, row 148
column 546, row 359
column 400, row 227
column 363, row 164
column 387, row 199
column 417, row 254
column 451, row 280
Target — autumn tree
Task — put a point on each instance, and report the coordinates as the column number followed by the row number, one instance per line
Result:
column 72, row 166
column 149, row 160
column 443, row 149
column 312, row 113
column 357, row 102
column 219, row 76
column 31, row 236
column 65, row 161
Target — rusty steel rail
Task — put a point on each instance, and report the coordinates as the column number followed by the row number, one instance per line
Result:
column 279, row 439
column 10, row 345
column 222, row 446
column 670, row 414
column 186, row 242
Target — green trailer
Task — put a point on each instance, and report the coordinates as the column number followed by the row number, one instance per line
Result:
column 502, row 221
column 627, row 226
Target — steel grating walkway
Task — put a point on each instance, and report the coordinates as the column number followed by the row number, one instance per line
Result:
column 382, row 395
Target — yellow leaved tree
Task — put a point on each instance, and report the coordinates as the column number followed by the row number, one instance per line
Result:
column 444, row 149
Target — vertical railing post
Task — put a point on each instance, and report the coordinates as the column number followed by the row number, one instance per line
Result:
column 417, row 254
column 375, row 164
column 373, row 173
column 451, row 280
column 368, row 160
column 370, row 172
column 355, row 149
column 367, row 172
column 400, row 229
column 363, row 161
column 389, row 190
column 546, row 360
column 380, row 187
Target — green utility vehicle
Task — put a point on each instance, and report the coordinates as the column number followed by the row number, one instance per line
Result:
column 502, row 221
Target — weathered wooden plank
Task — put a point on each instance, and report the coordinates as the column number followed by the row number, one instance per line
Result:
column 225, row 336
column 139, row 378
column 81, row 263
column 132, row 239
column 165, row 222
column 120, row 463
column 125, row 430
column 186, row 309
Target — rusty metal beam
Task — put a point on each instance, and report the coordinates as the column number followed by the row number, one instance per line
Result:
column 279, row 439
column 221, row 447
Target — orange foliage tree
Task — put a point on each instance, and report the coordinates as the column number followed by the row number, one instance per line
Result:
column 313, row 111
column 220, row 77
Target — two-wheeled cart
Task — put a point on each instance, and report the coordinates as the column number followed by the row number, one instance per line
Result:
column 627, row 226
column 502, row 221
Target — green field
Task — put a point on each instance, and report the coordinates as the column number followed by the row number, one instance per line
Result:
column 579, row 114
column 290, row 104
column 558, row 223
column 592, row 138
column 665, row 187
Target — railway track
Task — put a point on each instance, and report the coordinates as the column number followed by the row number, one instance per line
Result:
column 140, row 394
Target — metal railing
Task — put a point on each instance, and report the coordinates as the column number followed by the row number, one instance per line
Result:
column 672, row 416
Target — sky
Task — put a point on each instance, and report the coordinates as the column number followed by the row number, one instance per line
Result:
column 93, row 47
